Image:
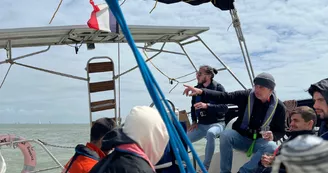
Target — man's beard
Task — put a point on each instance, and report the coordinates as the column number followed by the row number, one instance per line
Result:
column 325, row 115
column 201, row 82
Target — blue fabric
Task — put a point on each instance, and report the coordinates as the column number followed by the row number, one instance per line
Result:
column 168, row 156
column 323, row 131
column 157, row 95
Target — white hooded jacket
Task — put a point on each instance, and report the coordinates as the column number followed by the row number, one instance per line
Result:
column 146, row 127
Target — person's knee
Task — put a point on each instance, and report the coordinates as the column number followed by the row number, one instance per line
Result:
column 227, row 136
column 210, row 135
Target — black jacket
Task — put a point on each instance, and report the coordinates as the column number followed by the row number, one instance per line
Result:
column 322, row 87
column 120, row 162
column 240, row 98
column 214, row 113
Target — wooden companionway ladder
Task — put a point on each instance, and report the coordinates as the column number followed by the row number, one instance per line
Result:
column 97, row 68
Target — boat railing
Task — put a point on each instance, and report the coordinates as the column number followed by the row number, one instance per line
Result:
column 13, row 144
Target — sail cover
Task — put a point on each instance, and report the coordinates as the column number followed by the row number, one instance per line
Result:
column 221, row 4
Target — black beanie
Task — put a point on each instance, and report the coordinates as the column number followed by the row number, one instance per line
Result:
column 265, row 80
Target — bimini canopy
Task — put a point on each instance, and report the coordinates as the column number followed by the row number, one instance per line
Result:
column 62, row 35
column 221, row 4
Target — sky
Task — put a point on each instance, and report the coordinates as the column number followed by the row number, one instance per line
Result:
column 287, row 38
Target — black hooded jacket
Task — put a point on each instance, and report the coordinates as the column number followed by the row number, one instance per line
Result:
column 117, row 161
column 322, row 87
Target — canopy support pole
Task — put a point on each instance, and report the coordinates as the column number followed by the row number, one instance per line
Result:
column 242, row 44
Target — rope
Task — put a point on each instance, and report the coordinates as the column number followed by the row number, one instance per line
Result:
column 169, row 78
column 122, row 3
column 3, row 81
column 49, row 71
column 186, row 75
column 153, row 7
column 174, row 130
column 135, row 67
column 119, row 81
column 52, row 145
column 242, row 44
column 53, row 16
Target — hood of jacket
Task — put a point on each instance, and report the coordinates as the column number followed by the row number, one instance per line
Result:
column 322, row 86
column 143, row 126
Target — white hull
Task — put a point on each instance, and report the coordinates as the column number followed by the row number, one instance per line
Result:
column 239, row 159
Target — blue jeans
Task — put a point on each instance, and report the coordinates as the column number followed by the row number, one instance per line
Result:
column 231, row 139
column 211, row 132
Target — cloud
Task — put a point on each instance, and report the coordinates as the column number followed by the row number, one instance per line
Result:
column 285, row 38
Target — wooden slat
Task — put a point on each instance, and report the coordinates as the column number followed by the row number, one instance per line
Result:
column 102, row 105
column 101, row 86
column 100, row 67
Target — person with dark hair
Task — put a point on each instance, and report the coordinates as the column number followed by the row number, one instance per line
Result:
column 303, row 121
column 208, row 116
column 260, row 121
column 86, row 156
column 319, row 93
column 137, row 146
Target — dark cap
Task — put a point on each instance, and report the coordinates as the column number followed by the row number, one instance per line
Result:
column 265, row 80
column 100, row 127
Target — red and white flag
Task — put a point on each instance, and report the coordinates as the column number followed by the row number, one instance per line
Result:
column 100, row 17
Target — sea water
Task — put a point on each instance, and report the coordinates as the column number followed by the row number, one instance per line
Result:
column 65, row 135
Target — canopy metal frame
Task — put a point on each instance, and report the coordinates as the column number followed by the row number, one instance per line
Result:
column 82, row 34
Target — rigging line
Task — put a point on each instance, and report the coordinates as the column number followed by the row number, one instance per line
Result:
column 50, row 71
column 3, row 81
column 53, row 16
column 119, row 80
column 175, row 79
column 174, row 87
column 185, row 75
column 153, row 7
column 154, row 64
column 181, row 82
column 122, row 2
column 188, row 80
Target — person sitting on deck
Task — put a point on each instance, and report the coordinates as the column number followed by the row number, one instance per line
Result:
column 319, row 93
column 208, row 116
column 258, row 108
column 137, row 146
column 86, row 157
column 303, row 121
